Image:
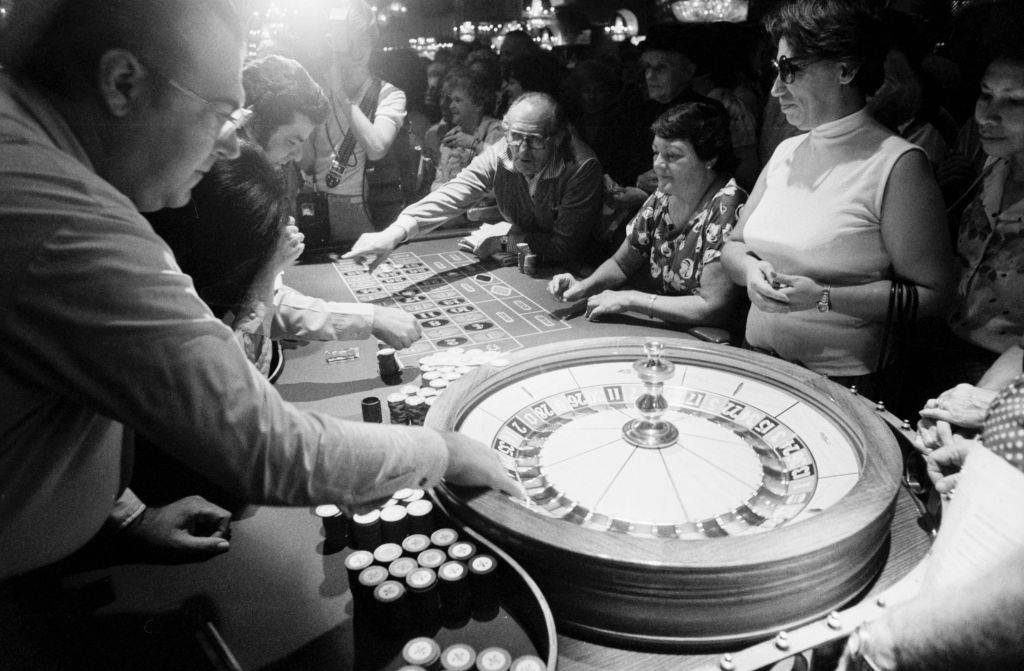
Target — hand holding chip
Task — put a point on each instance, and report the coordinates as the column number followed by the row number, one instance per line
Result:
column 764, row 288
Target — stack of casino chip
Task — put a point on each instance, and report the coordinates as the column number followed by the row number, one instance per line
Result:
column 396, row 408
column 442, row 583
column 453, row 592
column 458, row 657
column 522, row 249
column 394, row 520
column 389, row 365
column 336, row 525
column 415, row 409
column 530, row 264
column 409, row 405
column 493, row 659
column 528, row 663
column 423, row 652
column 364, row 530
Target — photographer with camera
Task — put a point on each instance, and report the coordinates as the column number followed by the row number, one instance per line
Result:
column 356, row 157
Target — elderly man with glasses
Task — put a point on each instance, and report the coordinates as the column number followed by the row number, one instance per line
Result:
column 547, row 185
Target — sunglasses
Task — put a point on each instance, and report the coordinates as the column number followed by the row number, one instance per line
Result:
column 786, row 69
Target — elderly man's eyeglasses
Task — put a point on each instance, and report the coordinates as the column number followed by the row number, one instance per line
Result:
column 517, row 139
column 786, row 69
column 230, row 121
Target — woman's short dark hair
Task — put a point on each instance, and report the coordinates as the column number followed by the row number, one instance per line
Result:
column 278, row 88
column 850, row 31
column 705, row 125
column 240, row 211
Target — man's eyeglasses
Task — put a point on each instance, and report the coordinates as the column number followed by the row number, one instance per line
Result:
column 786, row 69
column 516, row 139
column 230, row 121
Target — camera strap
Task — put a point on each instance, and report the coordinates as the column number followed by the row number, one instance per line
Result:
column 368, row 106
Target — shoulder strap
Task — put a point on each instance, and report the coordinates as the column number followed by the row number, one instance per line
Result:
column 368, row 106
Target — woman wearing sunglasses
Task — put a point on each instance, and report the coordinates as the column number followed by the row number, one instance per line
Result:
column 840, row 212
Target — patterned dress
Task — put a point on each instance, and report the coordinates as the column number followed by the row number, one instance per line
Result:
column 1003, row 431
column 675, row 256
column 989, row 307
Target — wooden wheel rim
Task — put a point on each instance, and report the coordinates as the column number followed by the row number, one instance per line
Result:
column 671, row 592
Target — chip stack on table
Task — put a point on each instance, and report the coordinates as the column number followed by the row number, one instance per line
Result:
column 371, row 410
column 389, row 365
column 394, row 520
column 493, row 659
column 335, row 526
column 528, row 663
column 530, row 264
column 409, row 405
column 396, row 408
column 458, row 657
column 418, row 582
column 423, row 652
column 522, row 250
column 365, row 530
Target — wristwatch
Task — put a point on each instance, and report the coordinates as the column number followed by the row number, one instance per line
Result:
column 825, row 302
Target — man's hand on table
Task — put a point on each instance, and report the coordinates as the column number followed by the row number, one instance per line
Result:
column 485, row 248
column 397, row 328
column 473, row 464
column 189, row 529
column 372, row 249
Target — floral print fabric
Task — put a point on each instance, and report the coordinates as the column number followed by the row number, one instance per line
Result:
column 989, row 307
column 676, row 255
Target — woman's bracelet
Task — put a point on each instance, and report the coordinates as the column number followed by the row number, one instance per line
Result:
column 650, row 306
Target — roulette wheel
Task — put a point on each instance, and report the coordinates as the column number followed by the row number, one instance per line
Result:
column 680, row 495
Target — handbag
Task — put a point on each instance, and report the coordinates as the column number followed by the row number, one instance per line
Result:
column 898, row 337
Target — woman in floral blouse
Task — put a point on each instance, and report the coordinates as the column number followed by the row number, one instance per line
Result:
column 672, row 246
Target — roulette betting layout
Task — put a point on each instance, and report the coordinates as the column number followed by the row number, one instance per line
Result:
column 679, row 495
column 456, row 301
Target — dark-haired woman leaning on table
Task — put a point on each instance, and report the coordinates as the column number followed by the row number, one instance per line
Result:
column 673, row 245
